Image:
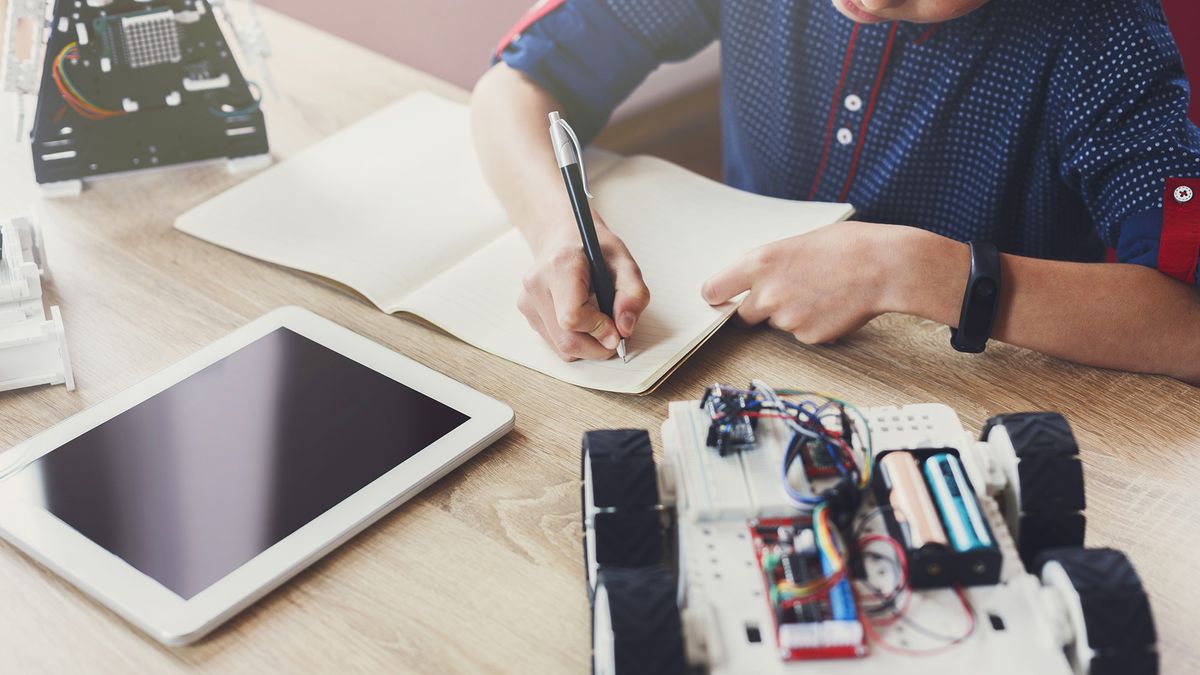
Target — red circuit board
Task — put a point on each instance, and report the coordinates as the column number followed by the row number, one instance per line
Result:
column 765, row 542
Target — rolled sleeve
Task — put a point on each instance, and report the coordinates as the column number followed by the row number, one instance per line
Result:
column 591, row 54
column 1121, row 124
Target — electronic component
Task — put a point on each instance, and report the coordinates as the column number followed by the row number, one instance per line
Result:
column 934, row 514
column 730, row 431
column 911, row 502
column 956, row 503
column 818, row 464
column 138, row 84
column 150, row 38
column 815, row 612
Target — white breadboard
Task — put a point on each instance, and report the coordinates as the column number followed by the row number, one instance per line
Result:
column 722, row 588
column 33, row 347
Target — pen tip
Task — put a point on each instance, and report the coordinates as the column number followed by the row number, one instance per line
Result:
column 621, row 351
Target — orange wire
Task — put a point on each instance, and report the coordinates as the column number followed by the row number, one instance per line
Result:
column 76, row 101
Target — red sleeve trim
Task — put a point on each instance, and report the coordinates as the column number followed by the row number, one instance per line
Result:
column 1179, row 247
column 540, row 8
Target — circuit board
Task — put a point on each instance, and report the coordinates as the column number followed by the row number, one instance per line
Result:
column 131, row 85
column 734, row 523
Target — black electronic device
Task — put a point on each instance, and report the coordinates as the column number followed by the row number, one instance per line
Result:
column 131, row 84
column 925, row 523
column 730, row 430
column 981, row 300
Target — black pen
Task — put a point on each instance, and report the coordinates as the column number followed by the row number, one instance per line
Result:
column 570, row 161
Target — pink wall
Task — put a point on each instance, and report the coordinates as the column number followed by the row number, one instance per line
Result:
column 451, row 39
column 1184, row 16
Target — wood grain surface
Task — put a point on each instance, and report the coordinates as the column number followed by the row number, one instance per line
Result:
column 482, row 573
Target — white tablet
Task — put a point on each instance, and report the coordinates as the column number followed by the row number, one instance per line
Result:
column 185, row 498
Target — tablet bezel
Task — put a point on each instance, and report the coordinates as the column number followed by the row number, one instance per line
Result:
column 165, row 615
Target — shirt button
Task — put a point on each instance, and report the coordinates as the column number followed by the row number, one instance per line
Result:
column 1183, row 194
column 844, row 136
column 853, row 103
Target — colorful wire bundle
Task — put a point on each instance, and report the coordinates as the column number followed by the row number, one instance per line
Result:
column 865, row 459
column 826, row 539
column 78, row 102
column 850, row 450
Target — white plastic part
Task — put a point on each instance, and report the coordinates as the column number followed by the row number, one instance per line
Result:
column 33, row 348
column 238, row 165
column 19, row 71
column 1000, row 448
column 717, row 500
column 1062, row 601
column 589, row 514
column 220, row 82
column 603, row 639
column 250, row 36
column 62, row 188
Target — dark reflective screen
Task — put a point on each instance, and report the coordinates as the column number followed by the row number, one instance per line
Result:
column 199, row 479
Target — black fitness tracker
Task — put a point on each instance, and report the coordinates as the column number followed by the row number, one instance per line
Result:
column 980, row 301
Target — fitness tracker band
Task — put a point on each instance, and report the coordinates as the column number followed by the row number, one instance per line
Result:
column 980, row 301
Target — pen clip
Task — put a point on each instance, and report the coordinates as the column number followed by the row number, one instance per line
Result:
column 578, row 153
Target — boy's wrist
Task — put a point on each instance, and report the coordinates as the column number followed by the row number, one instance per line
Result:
column 929, row 275
column 541, row 231
column 545, row 229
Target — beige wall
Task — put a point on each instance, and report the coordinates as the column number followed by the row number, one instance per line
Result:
column 448, row 38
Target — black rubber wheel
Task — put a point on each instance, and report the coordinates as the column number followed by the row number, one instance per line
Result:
column 636, row 629
column 1115, row 609
column 629, row 538
column 622, row 520
column 623, row 474
column 1051, row 481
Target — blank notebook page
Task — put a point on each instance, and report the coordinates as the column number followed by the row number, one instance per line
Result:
column 681, row 229
column 380, row 206
column 396, row 208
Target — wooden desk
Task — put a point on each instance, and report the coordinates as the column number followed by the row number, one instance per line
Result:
column 483, row 572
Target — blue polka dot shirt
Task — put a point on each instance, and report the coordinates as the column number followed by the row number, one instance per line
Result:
column 1045, row 126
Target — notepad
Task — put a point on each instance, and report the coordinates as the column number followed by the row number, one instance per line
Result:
column 395, row 207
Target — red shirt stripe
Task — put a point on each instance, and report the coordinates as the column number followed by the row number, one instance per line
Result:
column 1179, row 247
column 837, row 95
column 862, row 133
column 539, row 9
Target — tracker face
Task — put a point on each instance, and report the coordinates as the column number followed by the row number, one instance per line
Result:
column 131, row 85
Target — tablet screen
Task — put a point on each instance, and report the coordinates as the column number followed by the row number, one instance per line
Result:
column 196, row 481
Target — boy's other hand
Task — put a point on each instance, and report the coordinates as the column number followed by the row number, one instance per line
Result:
column 556, row 296
column 817, row 286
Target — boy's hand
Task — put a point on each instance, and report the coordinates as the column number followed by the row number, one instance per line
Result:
column 556, row 295
column 817, row 286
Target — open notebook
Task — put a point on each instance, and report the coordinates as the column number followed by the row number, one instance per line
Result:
column 396, row 208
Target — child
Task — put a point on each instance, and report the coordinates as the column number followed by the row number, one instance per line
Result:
column 1049, row 129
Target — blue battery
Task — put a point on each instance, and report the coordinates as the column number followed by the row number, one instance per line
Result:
column 956, row 503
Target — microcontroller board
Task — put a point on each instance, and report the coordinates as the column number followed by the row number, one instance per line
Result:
column 133, row 84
